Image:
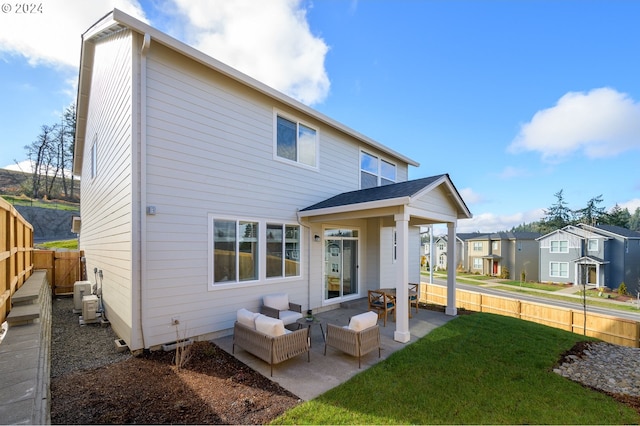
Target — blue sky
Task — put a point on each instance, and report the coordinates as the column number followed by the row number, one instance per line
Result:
column 516, row 100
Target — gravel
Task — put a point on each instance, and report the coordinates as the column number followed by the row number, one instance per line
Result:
column 77, row 347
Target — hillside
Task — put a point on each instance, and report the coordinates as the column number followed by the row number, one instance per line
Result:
column 17, row 183
column 51, row 220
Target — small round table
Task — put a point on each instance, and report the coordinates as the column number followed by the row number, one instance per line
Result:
column 303, row 321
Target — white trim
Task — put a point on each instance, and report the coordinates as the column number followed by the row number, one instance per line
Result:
column 298, row 122
column 559, row 269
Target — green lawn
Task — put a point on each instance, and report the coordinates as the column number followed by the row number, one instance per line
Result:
column 57, row 204
column 476, row 369
column 64, row 244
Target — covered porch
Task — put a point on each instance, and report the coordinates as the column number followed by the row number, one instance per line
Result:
column 389, row 218
column 308, row 380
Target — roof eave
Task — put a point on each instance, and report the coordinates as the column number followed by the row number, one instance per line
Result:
column 234, row 74
column 369, row 205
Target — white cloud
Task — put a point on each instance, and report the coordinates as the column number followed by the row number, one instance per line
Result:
column 632, row 205
column 511, row 172
column 489, row 222
column 470, row 197
column 53, row 37
column 601, row 123
column 268, row 40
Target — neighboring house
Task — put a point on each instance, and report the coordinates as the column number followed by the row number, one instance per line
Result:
column 490, row 254
column 441, row 248
column 600, row 255
column 204, row 189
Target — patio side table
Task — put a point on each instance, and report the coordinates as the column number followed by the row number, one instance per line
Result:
column 304, row 321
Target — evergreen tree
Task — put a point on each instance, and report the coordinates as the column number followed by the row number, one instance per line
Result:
column 634, row 220
column 592, row 213
column 556, row 216
column 617, row 216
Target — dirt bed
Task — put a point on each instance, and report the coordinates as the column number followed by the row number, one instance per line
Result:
column 94, row 384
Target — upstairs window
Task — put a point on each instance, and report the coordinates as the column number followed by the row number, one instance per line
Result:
column 296, row 142
column 477, row 246
column 375, row 171
column 559, row 247
column 592, row 245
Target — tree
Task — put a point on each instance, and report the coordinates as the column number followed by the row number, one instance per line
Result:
column 592, row 213
column 634, row 220
column 557, row 216
column 39, row 154
column 617, row 216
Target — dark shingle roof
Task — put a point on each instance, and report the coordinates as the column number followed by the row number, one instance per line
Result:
column 386, row 192
column 623, row 232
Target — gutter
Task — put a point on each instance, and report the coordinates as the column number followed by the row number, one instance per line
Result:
column 143, row 186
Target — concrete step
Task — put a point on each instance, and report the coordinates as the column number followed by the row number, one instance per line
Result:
column 23, row 314
column 30, row 290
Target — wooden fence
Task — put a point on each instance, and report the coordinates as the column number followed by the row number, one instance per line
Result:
column 16, row 248
column 605, row 327
column 18, row 259
column 63, row 268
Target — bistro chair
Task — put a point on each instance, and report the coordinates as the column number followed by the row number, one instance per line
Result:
column 383, row 304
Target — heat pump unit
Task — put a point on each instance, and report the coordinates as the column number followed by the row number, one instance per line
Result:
column 89, row 308
column 80, row 289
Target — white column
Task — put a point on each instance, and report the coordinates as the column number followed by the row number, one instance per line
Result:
column 402, row 334
column 451, row 270
column 431, row 255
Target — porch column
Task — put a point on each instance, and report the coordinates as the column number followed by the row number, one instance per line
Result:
column 451, row 271
column 402, row 334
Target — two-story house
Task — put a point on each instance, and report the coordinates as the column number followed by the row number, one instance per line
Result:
column 494, row 254
column 204, row 189
column 600, row 255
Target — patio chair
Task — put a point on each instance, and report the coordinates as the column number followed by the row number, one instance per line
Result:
column 414, row 297
column 278, row 306
column 383, row 304
column 360, row 337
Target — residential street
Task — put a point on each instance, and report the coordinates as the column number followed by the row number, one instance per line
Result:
column 489, row 288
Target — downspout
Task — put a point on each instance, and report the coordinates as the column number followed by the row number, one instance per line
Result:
column 143, row 185
column 309, row 239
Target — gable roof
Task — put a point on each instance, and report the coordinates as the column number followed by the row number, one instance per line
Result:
column 612, row 229
column 393, row 194
column 117, row 20
column 506, row 236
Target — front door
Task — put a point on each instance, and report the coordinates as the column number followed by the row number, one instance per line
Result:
column 340, row 263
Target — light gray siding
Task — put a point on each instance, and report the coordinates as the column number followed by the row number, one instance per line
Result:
column 106, row 211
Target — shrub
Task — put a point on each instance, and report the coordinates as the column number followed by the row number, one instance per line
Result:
column 623, row 289
column 504, row 273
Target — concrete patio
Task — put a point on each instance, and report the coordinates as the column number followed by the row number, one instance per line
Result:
column 307, row 380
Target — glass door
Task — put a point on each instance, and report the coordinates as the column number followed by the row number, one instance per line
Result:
column 340, row 263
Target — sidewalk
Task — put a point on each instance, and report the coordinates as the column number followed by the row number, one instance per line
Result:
column 571, row 291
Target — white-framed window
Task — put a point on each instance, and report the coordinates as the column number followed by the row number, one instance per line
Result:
column 592, row 244
column 477, row 263
column 477, row 246
column 94, row 157
column 375, row 171
column 245, row 251
column 283, row 250
column 495, row 245
column 295, row 141
column 559, row 269
column 235, row 251
column 440, row 246
column 559, row 246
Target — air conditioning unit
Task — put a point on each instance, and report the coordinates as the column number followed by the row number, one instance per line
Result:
column 80, row 289
column 89, row 308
